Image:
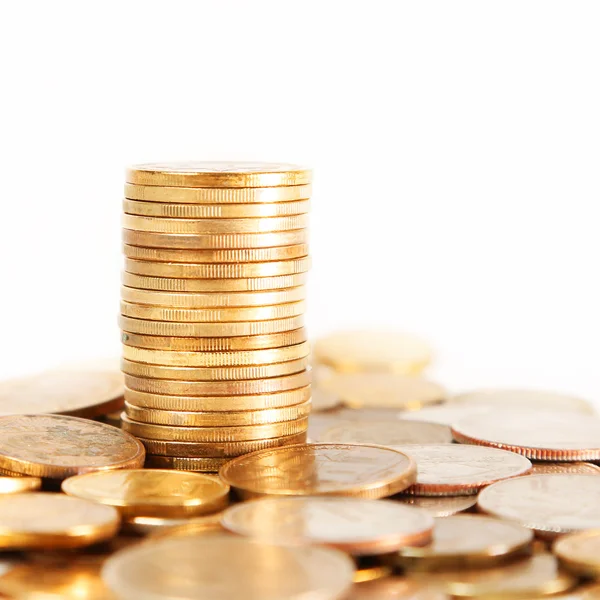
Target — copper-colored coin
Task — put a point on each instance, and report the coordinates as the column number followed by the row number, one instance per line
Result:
column 454, row 469
column 166, row 527
column 564, row 468
column 76, row 392
column 440, row 506
column 383, row 390
column 580, row 552
column 539, row 436
column 212, row 195
column 468, row 541
column 363, row 471
column 56, row 446
column 231, row 344
column 548, row 504
column 394, row 588
column 45, row 520
column 355, row 525
column 218, row 403
column 213, row 434
column 200, row 465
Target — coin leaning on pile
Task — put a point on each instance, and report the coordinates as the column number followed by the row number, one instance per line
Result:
column 215, row 352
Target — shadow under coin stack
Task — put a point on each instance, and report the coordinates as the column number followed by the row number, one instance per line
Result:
column 215, row 353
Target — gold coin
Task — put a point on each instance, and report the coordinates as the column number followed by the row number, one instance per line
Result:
column 373, row 351
column 219, row 418
column 355, row 525
column 219, row 174
column 384, row 390
column 55, row 446
column 224, row 241
column 455, row 470
column 548, row 504
column 217, row 450
column 202, row 567
column 240, row 328
column 440, row 506
column 213, row 434
column 45, row 520
column 171, row 210
column 164, row 527
column 256, row 284
column 362, row 471
column 467, row 541
column 206, row 465
column 219, row 388
column 203, row 404
column 208, row 195
column 72, row 392
column 558, row 468
column 15, row 485
column 252, row 342
column 213, row 300
column 215, row 373
column 580, row 552
column 150, row 493
column 536, row 435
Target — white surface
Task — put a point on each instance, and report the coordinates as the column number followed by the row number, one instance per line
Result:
column 456, row 148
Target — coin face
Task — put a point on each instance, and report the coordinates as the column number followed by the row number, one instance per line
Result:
column 223, row 567
column 151, row 492
column 455, row 469
column 45, row 520
column 580, row 552
column 440, row 506
column 56, row 446
column 355, row 525
column 87, row 393
column 321, row 469
column 468, row 540
column 548, row 504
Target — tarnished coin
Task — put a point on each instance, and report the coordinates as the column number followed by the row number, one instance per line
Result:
column 548, row 504
column 394, row 588
column 151, row 492
column 580, row 552
column 539, row 436
column 383, row 390
column 562, row 468
column 56, row 446
column 86, row 393
column 468, row 541
column 440, row 506
column 321, row 469
column 166, row 527
column 355, row 525
column 455, row 469
column 351, row 351
column 222, row 567
column 45, row 520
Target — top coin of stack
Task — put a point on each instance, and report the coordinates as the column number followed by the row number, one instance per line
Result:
column 215, row 353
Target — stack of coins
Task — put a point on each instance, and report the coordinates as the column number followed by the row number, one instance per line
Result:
column 215, row 353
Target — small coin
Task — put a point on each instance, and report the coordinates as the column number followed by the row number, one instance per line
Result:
column 440, row 506
column 150, row 492
column 15, row 485
column 362, row 471
column 199, row 567
column 210, row 195
column 355, row 525
column 200, row 465
column 55, row 446
column 548, row 504
column 468, row 541
column 394, row 588
column 46, row 520
column 580, row 552
column 373, row 351
column 558, row 468
column 166, row 527
column 539, row 436
column 454, row 469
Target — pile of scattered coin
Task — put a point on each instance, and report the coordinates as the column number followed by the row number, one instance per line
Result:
column 212, row 312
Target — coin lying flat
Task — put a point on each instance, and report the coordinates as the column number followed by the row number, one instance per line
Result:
column 167, row 527
column 354, row 525
column 151, row 493
column 454, row 469
column 46, row 520
column 558, row 468
column 321, row 469
column 56, row 446
column 220, row 566
column 548, row 504
column 468, row 540
column 440, row 506
column 394, row 588
column 580, row 552
column 539, row 436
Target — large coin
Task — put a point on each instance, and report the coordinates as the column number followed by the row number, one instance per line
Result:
column 440, row 506
column 223, row 567
column 454, row 469
column 321, row 469
column 580, row 552
column 57, row 446
column 539, row 436
column 548, row 504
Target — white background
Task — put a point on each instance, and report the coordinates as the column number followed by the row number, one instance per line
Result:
column 456, row 147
